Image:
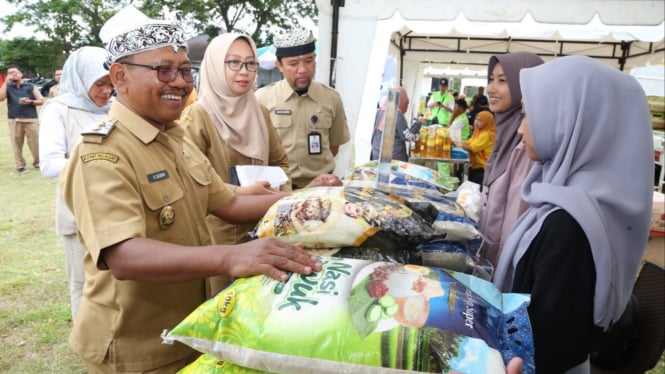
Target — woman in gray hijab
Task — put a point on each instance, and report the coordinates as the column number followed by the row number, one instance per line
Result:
column 578, row 246
column 85, row 91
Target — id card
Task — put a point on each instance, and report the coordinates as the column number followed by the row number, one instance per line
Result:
column 314, row 143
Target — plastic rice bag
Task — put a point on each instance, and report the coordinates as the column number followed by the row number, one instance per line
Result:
column 329, row 217
column 450, row 222
column 362, row 316
column 401, row 174
column 456, row 256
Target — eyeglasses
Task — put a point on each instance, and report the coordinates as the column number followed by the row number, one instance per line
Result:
column 236, row 65
column 166, row 73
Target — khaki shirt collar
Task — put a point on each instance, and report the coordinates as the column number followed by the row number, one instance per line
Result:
column 286, row 93
column 139, row 127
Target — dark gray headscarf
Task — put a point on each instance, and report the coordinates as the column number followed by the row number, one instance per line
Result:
column 591, row 127
column 507, row 122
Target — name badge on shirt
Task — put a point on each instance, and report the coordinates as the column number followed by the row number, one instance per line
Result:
column 158, row 176
column 283, row 112
column 314, row 143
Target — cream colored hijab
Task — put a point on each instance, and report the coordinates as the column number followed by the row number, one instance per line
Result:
column 238, row 119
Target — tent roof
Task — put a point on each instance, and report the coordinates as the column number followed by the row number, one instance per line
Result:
column 610, row 12
column 462, row 35
column 462, row 41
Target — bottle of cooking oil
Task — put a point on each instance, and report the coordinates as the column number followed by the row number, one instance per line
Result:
column 440, row 135
column 428, row 117
column 447, row 145
column 431, row 141
column 423, row 141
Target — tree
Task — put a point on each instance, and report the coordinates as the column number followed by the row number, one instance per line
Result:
column 35, row 57
column 70, row 23
column 258, row 18
column 75, row 23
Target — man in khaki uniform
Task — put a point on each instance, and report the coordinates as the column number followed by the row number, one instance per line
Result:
column 140, row 193
column 55, row 90
column 308, row 115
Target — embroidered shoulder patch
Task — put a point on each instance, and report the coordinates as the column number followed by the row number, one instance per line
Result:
column 100, row 156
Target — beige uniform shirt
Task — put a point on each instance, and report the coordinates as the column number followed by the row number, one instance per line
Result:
column 320, row 110
column 202, row 131
column 137, row 182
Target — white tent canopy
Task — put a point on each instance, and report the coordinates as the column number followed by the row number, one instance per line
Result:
column 424, row 34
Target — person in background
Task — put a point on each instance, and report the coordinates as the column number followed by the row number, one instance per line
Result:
column 231, row 128
column 399, row 146
column 442, row 104
column 480, row 145
column 508, row 164
column 22, row 101
column 308, row 115
column 578, row 247
column 459, row 122
column 478, row 104
column 55, row 89
column 140, row 192
column 84, row 100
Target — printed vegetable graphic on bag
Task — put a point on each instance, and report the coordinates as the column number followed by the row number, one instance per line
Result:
column 355, row 315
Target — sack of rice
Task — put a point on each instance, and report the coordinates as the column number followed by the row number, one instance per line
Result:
column 450, row 220
column 362, row 316
column 330, row 217
column 455, row 256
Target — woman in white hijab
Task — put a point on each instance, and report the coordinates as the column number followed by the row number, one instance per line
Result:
column 578, row 247
column 85, row 91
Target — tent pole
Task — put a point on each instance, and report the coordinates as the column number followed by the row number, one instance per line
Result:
column 625, row 51
column 336, row 4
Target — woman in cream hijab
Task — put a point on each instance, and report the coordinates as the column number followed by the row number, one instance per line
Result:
column 578, row 246
column 85, row 92
column 230, row 127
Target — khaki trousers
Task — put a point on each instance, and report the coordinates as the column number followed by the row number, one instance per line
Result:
column 19, row 129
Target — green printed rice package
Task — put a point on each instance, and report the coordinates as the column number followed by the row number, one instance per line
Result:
column 361, row 316
column 209, row 364
column 332, row 217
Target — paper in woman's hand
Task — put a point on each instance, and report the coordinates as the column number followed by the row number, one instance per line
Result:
column 250, row 174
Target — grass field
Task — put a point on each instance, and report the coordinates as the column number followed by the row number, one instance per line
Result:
column 34, row 298
column 34, row 302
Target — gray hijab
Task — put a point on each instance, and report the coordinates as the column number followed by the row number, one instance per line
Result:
column 507, row 122
column 591, row 128
column 81, row 70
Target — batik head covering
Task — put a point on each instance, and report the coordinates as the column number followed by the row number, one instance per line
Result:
column 238, row 119
column 82, row 69
column 130, row 32
column 507, row 122
column 591, row 127
column 295, row 43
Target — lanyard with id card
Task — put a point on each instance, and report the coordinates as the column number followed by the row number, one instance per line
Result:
column 314, row 143
column 314, row 139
